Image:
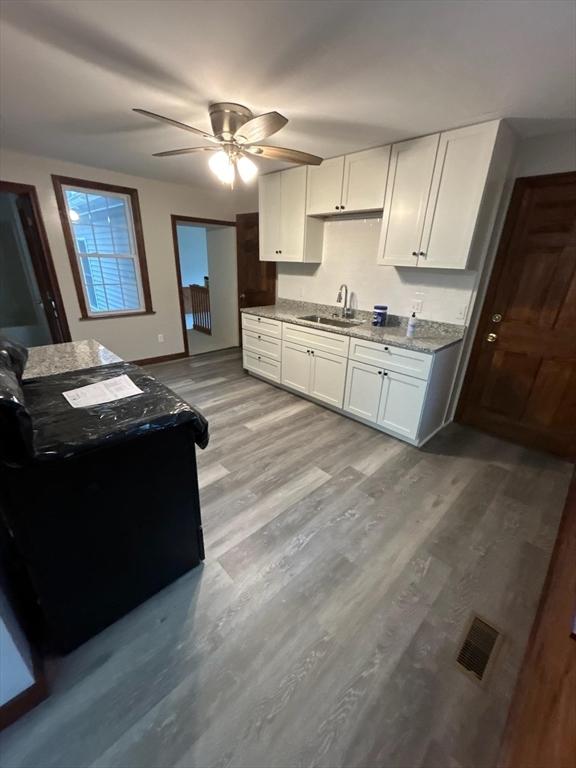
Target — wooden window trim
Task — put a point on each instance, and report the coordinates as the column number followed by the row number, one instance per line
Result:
column 60, row 181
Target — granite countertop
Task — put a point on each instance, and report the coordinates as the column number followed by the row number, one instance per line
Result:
column 70, row 356
column 430, row 336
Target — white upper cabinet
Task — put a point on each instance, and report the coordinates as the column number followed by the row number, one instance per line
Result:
column 407, row 191
column 433, row 197
column 351, row 183
column 286, row 234
column 458, row 184
column 325, row 187
column 364, row 183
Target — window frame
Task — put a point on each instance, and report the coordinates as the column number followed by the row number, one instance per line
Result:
column 60, row 183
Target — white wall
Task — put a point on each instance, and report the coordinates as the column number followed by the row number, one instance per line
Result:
column 193, row 253
column 349, row 256
column 130, row 337
column 552, row 153
column 221, row 245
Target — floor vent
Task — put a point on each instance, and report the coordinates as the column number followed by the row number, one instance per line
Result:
column 478, row 648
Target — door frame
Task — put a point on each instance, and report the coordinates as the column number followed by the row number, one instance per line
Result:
column 174, row 218
column 42, row 261
column 521, row 184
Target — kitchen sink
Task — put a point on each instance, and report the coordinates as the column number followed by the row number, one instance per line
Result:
column 336, row 322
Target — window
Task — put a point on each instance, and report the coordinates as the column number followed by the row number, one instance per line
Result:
column 103, row 234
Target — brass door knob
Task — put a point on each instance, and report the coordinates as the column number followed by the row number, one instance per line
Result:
column 491, row 337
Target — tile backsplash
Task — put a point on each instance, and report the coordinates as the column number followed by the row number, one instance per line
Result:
column 349, row 256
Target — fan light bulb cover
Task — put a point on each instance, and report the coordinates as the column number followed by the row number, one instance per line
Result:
column 223, row 167
column 247, row 169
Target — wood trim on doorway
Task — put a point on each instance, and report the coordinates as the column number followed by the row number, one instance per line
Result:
column 191, row 220
column 42, row 258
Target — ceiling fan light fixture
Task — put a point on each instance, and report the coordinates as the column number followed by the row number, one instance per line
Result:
column 247, row 169
column 223, row 167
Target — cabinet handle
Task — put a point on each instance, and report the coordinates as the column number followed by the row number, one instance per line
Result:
column 279, row 251
column 414, row 253
column 385, row 373
column 258, row 357
column 259, row 337
column 311, row 351
column 422, row 254
column 342, row 207
column 337, row 207
column 379, row 373
column 386, row 349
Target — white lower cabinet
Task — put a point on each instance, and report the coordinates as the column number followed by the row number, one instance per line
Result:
column 401, row 403
column 295, row 366
column 321, row 375
column 327, row 377
column 363, row 390
column 400, row 391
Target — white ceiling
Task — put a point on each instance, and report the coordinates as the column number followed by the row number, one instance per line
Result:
column 348, row 75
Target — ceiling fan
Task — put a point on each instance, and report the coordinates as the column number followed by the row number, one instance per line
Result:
column 237, row 135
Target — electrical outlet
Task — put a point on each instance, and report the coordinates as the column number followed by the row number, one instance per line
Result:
column 160, row 338
column 417, row 305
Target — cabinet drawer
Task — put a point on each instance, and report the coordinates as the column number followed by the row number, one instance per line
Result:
column 406, row 361
column 264, row 366
column 262, row 344
column 322, row 340
column 264, row 325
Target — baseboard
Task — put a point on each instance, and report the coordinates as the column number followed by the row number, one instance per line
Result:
column 26, row 700
column 160, row 359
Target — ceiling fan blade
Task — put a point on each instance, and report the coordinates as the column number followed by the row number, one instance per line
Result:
column 288, row 155
column 186, row 151
column 176, row 123
column 260, row 127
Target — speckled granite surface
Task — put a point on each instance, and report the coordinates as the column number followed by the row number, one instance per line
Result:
column 71, row 356
column 429, row 337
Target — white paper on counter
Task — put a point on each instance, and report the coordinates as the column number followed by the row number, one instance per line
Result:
column 116, row 388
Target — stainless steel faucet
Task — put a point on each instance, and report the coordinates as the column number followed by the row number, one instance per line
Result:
column 346, row 310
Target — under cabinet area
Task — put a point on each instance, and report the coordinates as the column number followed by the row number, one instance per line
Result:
column 401, row 391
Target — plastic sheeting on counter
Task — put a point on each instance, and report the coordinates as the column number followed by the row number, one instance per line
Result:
column 15, row 423
column 61, row 431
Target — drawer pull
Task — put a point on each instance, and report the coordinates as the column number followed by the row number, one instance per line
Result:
column 259, row 336
column 386, row 349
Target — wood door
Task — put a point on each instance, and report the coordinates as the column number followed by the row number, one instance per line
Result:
column 269, row 206
column 324, row 192
column 256, row 278
column 365, row 175
column 46, row 288
column 407, row 192
column 521, row 380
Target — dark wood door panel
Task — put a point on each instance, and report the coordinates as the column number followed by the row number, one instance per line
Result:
column 256, row 279
column 520, row 382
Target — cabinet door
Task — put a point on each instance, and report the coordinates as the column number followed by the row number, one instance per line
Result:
column 292, row 214
column 401, row 403
column 458, row 184
column 295, row 366
column 365, row 176
column 325, row 187
column 269, row 201
column 363, row 389
column 407, row 191
column 327, row 377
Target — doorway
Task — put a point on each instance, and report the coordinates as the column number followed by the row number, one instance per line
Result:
column 205, row 251
column 521, row 379
column 31, row 309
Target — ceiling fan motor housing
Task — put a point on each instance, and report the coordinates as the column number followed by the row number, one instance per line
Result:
column 226, row 117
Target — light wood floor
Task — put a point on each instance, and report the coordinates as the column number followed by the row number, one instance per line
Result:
column 342, row 566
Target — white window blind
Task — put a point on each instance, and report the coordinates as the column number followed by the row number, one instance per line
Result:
column 102, row 227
